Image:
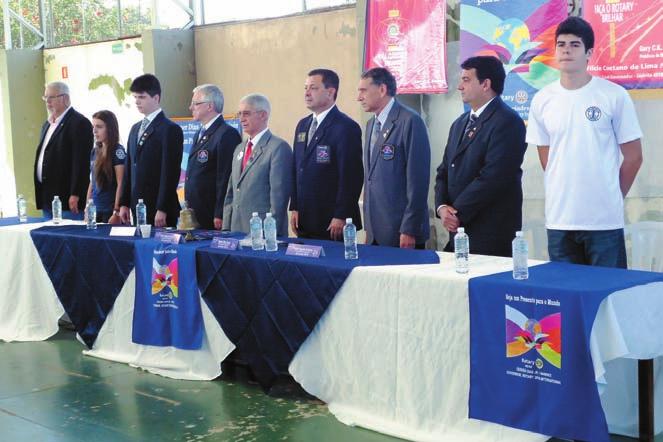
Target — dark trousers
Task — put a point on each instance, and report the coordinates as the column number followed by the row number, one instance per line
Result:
column 604, row 248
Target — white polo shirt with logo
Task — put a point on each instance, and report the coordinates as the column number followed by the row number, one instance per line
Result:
column 584, row 128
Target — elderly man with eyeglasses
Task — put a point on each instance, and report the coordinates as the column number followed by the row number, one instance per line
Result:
column 62, row 159
column 210, row 159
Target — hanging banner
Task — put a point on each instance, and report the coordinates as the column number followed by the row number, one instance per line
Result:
column 628, row 47
column 408, row 37
column 521, row 33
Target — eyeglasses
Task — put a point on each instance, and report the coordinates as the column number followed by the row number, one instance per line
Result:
column 247, row 114
column 198, row 103
column 52, row 97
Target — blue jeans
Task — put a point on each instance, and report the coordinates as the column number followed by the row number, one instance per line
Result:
column 604, row 248
column 66, row 214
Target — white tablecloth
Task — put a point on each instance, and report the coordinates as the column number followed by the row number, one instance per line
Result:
column 391, row 353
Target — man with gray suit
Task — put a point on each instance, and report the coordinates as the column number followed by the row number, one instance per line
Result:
column 262, row 171
column 396, row 166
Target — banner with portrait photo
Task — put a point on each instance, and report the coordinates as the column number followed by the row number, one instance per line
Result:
column 409, row 38
column 628, row 47
column 521, row 33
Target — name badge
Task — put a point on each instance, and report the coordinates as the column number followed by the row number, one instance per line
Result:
column 387, row 152
column 225, row 243
column 122, row 231
column 240, row 155
column 203, row 156
column 301, row 137
column 304, row 250
column 168, row 238
column 322, row 154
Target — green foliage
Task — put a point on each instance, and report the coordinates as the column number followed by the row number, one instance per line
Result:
column 76, row 21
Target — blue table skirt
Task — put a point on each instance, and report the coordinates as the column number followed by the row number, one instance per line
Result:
column 266, row 302
column 13, row 220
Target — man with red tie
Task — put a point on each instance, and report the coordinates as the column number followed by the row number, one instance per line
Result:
column 262, row 168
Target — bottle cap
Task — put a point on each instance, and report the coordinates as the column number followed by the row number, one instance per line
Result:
column 90, row 201
column 56, row 197
column 461, row 230
column 20, row 195
column 268, row 214
column 254, row 214
column 348, row 220
column 140, row 200
column 519, row 234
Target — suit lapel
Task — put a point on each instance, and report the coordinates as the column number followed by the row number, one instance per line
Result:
column 466, row 141
column 209, row 133
column 60, row 126
column 384, row 134
column 256, row 151
column 150, row 129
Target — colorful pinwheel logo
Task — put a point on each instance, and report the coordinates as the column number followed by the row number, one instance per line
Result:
column 164, row 279
column 524, row 334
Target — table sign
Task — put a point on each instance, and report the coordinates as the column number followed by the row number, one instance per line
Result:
column 123, row 231
column 168, row 238
column 306, row 250
column 225, row 243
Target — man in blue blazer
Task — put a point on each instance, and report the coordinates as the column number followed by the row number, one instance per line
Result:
column 397, row 166
column 154, row 156
column 327, row 163
column 210, row 159
column 478, row 184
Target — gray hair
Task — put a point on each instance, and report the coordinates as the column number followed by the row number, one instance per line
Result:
column 211, row 93
column 61, row 87
column 258, row 101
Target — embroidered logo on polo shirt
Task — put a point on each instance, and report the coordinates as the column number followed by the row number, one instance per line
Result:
column 593, row 113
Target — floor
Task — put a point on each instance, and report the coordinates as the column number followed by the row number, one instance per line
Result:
column 50, row 392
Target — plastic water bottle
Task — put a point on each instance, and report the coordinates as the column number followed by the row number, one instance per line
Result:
column 270, row 233
column 56, row 207
column 141, row 213
column 255, row 224
column 350, row 239
column 91, row 215
column 462, row 251
column 22, row 208
column 519, row 251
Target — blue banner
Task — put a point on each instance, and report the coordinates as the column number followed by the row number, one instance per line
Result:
column 167, row 304
column 530, row 361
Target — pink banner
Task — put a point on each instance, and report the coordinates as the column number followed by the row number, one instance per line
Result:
column 629, row 41
column 409, row 38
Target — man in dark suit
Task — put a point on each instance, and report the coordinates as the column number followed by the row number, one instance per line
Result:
column 328, row 166
column 210, row 160
column 154, row 156
column 397, row 166
column 62, row 165
column 478, row 184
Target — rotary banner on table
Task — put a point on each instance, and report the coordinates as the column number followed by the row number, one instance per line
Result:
column 629, row 41
column 167, row 304
column 409, row 38
column 521, row 33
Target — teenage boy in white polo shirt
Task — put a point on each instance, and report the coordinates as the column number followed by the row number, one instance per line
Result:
column 588, row 136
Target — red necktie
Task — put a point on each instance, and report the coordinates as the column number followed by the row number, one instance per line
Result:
column 247, row 154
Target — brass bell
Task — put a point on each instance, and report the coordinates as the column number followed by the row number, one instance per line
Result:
column 187, row 221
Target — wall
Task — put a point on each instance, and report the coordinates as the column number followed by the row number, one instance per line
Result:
column 21, row 88
column 273, row 56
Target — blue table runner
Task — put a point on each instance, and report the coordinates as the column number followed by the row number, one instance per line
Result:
column 268, row 303
column 530, row 361
column 88, row 269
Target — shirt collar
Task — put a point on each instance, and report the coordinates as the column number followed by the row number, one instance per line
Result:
column 479, row 111
column 255, row 140
column 321, row 116
column 382, row 117
column 153, row 115
column 210, row 122
column 59, row 119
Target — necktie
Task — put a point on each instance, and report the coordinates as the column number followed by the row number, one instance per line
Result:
column 247, row 154
column 470, row 124
column 201, row 133
column 375, row 134
column 143, row 126
column 311, row 130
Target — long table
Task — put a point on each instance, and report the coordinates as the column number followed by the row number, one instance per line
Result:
column 391, row 352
